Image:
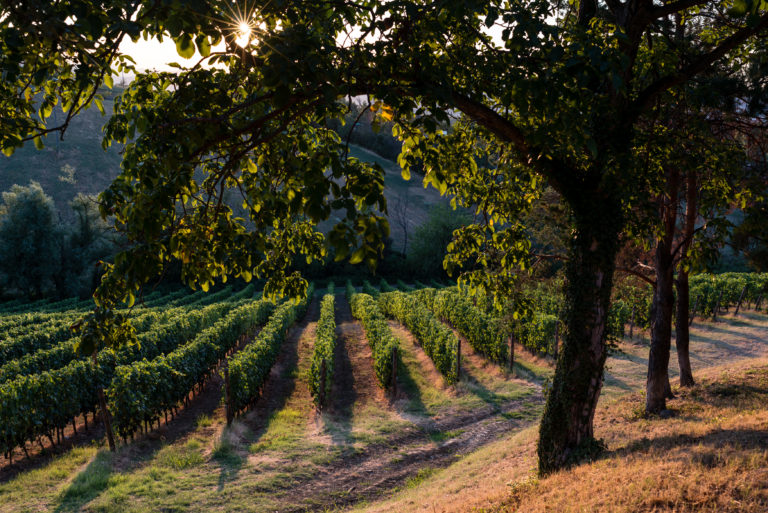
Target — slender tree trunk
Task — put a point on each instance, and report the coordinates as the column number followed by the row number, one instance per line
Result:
column 657, row 386
column 682, row 335
column 566, row 430
column 105, row 413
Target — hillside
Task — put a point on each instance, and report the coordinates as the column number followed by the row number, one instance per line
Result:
column 95, row 169
column 711, row 456
column 81, row 149
column 432, row 446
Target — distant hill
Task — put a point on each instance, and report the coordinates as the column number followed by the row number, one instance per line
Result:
column 94, row 170
column 81, row 148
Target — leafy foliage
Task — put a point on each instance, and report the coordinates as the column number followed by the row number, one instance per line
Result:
column 485, row 333
column 709, row 289
column 249, row 369
column 142, row 391
column 324, row 350
column 377, row 332
column 437, row 340
column 29, row 239
column 35, row 405
column 370, row 289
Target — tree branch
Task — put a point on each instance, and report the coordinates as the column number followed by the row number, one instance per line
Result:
column 649, row 94
column 673, row 7
column 637, row 273
column 508, row 132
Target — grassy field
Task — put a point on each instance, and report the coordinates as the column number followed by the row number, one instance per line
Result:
column 431, row 447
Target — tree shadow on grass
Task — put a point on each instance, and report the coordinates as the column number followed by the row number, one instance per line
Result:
column 743, row 438
column 613, row 381
column 281, row 382
column 229, row 460
column 407, row 386
column 87, row 484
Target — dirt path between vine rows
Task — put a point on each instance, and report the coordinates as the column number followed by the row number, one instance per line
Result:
column 355, row 382
column 429, row 442
column 285, row 387
column 381, row 467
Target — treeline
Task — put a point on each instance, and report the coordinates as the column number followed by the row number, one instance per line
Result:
column 44, row 255
column 422, row 259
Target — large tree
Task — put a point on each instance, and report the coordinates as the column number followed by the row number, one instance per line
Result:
column 557, row 89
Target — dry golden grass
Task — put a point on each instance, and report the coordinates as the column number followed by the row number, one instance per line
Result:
column 712, row 456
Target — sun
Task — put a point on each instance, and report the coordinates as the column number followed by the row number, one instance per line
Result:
column 244, row 32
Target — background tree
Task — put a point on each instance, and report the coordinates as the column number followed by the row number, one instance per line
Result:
column 425, row 258
column 29, row 239
column 401, row 215
column 751, row 236
column 86, row 242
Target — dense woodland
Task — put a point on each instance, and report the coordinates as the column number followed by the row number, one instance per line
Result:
column 595, row 170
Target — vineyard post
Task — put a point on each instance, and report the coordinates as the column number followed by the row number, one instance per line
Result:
column 758, row 302
column 323, row 376
column 394, row 372
column 717, row 306
column 741, row 298
column 557, row 338
column 104, row 411
column 632, row 323
column 693, row 312
column 228, row 390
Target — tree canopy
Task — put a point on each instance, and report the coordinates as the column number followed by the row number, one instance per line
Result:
column 491, row 99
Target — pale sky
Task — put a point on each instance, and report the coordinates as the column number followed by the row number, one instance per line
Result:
column 153, row 54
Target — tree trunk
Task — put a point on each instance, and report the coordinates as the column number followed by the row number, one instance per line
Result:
column 657, row 386
column 682, row 335
column 105, row 412
column 566, row 431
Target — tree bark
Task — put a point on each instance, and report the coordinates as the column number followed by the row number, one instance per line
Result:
column 566, row 430
column 657, row 386
column 682, row 334
column 105, row 413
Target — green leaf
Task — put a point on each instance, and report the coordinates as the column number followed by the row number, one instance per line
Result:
column 184, row 46
column 357, row 256
column 203, row 45
column 99, row 104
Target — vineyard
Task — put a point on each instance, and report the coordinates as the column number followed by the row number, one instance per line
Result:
column 330, row 384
